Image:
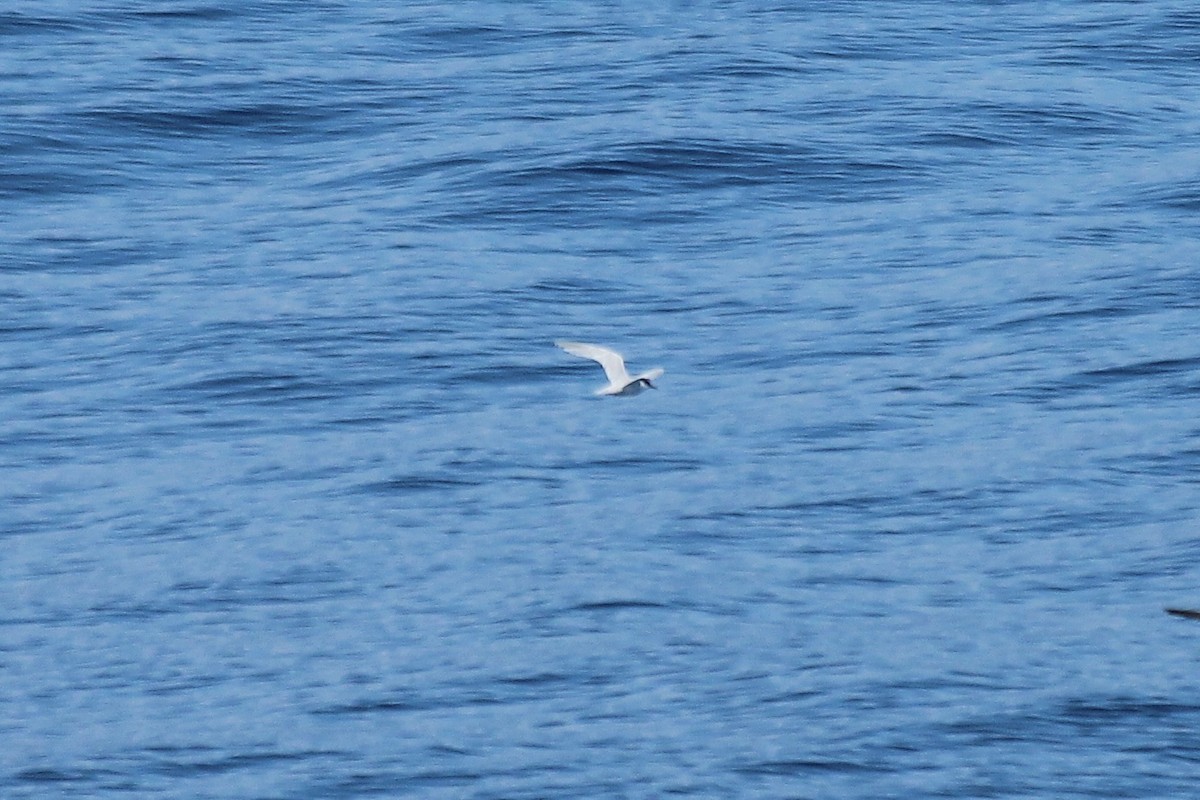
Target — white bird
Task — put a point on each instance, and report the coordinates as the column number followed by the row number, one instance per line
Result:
column 619, row 382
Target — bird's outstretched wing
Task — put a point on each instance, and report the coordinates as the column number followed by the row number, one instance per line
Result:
column 614, row 365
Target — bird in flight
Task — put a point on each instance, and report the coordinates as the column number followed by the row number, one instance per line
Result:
column 619, row 380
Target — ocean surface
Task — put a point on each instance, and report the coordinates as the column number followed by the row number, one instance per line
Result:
column 299, row 500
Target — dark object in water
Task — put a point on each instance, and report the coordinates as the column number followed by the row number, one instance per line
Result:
column 1183, row 612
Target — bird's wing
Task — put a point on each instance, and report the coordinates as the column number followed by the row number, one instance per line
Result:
column 614, row 365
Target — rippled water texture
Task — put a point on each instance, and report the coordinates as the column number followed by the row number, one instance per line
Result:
column 298, row 499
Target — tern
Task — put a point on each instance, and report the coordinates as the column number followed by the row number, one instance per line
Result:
column 619, row 381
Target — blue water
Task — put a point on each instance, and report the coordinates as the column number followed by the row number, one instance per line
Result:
column 298, row 500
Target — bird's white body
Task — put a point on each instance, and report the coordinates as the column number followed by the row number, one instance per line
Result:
column 620, row 382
